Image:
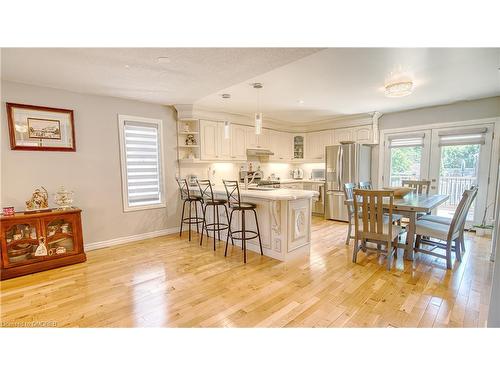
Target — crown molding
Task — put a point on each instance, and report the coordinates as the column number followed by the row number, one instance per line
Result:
column 193, row 111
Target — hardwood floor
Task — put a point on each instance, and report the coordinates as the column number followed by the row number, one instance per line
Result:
column 168, row 281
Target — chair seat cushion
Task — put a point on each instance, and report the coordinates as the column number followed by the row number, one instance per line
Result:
column 243, row 206
column 432, row 229
column 436, row 219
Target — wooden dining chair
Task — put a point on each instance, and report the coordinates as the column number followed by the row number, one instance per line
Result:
column 375, row 223
column 420, row 186
column 349, row 197
column 445, row 236
column 442, row 220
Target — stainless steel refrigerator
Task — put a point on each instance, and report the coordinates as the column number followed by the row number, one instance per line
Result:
column 348, row 162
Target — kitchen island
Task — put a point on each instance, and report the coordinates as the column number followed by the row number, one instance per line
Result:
column 284, row 220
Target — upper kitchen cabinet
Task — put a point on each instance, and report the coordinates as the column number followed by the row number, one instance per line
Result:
column 238, row 143
column 256, row 141
column 358, row 134
column 209, row 135
column 342, row 135
column 316, row 143
column 363, row 134
column 299, row 146
column 223, row 144
column 281, row 144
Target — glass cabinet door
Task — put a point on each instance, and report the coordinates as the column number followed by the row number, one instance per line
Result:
column 298, row 147
column 60, row 235
column 20, row 241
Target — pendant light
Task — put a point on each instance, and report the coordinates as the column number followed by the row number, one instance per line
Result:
column 258, row 114
column 227, row 124
column 227, row 129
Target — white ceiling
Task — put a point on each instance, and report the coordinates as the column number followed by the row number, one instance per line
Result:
column 191, row 74
column 332, row 82
column 344, row 81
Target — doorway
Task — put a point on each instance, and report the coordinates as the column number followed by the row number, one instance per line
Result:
column 453, row 159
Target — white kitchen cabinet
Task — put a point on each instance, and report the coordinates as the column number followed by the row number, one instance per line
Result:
column 223, row 144
column 342, row 135
column 281, row 144
column 208, row 139
column 238, row 144
column 358, row 134
column 316, row 143
column 299, row 146
column 256, row 141
column 363, row 134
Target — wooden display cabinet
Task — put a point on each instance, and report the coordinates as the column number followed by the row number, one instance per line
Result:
column 21, row 234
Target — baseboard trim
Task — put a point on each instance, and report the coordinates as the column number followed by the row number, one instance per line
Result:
column 127, row 239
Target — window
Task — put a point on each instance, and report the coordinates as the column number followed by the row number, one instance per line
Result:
column 406, row 157
column 141, row 163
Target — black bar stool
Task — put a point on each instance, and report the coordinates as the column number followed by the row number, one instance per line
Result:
column 189, row 197
column 235, row 204
column 208, row 200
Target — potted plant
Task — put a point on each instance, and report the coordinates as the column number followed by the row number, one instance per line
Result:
column 483, row 229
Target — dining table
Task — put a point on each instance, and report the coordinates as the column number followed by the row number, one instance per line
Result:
column 410, row 206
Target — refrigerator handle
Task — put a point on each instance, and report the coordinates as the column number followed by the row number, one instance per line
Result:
column 340, row 173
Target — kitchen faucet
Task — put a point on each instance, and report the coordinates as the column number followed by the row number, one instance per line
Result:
column 257, row 173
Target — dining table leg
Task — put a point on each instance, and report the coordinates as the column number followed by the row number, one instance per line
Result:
column 410, row 235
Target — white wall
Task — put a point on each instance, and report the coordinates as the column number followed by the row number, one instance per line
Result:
column 93, row 171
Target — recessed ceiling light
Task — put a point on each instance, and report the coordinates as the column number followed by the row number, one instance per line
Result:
column 127, row 66
column 300, row 101
column 163, row 59
column 226, row 96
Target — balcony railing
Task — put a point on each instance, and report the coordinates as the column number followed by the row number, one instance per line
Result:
column 448, row 185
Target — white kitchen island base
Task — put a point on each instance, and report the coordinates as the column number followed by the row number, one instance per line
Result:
column 284, row 217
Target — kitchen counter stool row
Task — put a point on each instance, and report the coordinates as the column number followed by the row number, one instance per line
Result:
column 206, row 199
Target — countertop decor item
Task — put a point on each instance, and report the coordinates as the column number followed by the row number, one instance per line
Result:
column 40, row 241
column 7, row 211
column 39, row 200
column 63, row 198
column 36, row 128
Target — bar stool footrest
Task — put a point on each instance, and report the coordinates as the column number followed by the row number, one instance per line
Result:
column 233, row 232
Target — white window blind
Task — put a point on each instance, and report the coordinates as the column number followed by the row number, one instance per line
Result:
column 141, row 164
column 406, row 140
column 475, row 136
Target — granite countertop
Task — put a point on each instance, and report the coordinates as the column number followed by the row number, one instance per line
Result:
column 275, row 195
column 306, row 180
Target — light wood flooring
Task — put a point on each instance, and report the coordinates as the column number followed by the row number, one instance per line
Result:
column 170, row 282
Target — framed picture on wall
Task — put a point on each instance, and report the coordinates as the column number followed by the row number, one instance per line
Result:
column 37, row 128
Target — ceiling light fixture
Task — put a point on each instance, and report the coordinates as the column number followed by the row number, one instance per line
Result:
column 163, row 60
column 398, row 84
column 227, row 124
column 227, row 129
column 398, row 89
column 300, row 101
column 258, row 114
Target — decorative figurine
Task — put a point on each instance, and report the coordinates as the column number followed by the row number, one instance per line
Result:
column 190, row 140
column 63, row 198
column 39, row 200
column 41, row 250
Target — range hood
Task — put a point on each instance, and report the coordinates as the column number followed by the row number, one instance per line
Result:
column 259, row 152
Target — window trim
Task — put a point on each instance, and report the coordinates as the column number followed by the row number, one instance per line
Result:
column 123, row 167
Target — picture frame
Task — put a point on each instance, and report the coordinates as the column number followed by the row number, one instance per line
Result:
column 36, row 128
